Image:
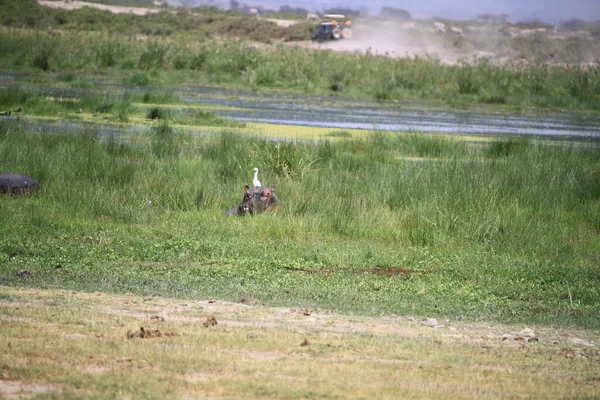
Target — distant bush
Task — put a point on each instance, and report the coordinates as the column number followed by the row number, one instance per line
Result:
column 343, row 10
column 21, row 13
column 204, row 22
column 300, row 31
column 574, row 24
column 294, row 10
column 393, row 12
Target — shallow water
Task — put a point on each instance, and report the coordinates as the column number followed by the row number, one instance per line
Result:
column 344, row 113
column 391, row 117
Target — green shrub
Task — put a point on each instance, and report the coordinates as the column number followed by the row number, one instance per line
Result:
column 300, row 31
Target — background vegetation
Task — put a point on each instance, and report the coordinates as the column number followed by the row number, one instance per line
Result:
column 234, row 63
column 195, row 24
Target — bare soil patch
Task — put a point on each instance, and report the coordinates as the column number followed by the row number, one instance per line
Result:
column 20, row 390
column 189, row 355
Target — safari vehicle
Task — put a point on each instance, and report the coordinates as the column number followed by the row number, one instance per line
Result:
column 333, row 27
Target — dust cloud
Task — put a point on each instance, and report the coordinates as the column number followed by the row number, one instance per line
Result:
column 457, row 42
column 409, row 39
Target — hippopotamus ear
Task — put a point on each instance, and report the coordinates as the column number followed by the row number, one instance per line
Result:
column 246, row 188
column 272, row 189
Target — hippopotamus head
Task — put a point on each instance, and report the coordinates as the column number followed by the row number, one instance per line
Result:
column 256, row 199
column 11, row 183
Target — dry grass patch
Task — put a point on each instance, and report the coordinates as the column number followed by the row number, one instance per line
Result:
column 75, row 344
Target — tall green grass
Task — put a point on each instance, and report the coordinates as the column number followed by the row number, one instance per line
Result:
column 494, row 232
column 511, row 196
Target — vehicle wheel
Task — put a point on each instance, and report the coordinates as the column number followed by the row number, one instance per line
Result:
column 347, row 33
column 337, row 33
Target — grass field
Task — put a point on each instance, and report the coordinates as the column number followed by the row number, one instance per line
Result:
column 393, row 223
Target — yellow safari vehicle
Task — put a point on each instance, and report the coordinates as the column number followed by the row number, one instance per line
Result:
column 333, row 27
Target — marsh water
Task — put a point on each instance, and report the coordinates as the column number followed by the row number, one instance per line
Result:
column 347, row 113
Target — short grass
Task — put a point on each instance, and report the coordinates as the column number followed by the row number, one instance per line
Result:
column 73, row 345
column 388, row 224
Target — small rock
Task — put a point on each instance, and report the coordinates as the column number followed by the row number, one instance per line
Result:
column 581, row 342
column 527, row 335
column 431, row 322
column 527, row 332
column 305, row 342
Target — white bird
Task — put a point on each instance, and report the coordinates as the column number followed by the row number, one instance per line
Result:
column 255, row 181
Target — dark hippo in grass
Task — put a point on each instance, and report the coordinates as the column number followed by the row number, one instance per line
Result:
column 11, row 183
column 256, row 200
